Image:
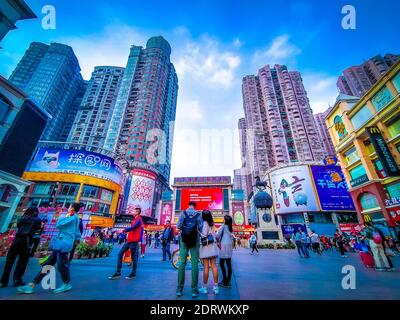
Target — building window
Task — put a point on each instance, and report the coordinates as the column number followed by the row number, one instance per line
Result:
column 69, row 189
column 357, row 172
column 351, row 156
column 90, row 192
column 396, row 82
column 361, row 117
column 393, row 128
column 368, row 201
column 382, row 98
column 393, row 190
column 347, row 217
column 43, row 188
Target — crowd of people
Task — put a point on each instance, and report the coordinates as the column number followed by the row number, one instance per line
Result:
column 197, row 236
column 374, row 247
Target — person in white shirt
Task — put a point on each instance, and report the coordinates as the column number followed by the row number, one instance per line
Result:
column 315, row 242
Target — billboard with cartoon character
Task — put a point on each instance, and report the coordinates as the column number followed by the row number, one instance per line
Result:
column 78, row 162
column 293, row 190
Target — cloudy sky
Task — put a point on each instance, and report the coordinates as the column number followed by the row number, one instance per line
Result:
column 214, row 44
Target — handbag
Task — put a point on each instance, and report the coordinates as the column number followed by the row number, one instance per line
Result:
column 205, row 241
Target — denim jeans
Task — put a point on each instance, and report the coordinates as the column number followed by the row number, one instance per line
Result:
column 166, row 251
column 62, row 260
column 302, row 248
column 134, row 247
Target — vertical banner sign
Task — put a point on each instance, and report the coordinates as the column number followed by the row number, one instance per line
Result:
column 166, row 212
column 238, row 213
column 141, row 192
column 383, row 152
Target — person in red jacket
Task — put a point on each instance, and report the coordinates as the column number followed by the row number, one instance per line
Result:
column 132, row 244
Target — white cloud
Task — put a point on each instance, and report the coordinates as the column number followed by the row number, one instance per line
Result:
column 279, row 51
column 321, row 90
column 205, row 61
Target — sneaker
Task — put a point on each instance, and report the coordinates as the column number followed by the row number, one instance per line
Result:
column 203, row 290
column 179, row 292
column 130, row 277
column 216, row 290
column 25, row 289
column 116, row 275
column 195, row 294
column 64, row 288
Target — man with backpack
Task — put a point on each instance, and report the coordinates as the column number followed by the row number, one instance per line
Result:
column 375, row 240
column 190, row 224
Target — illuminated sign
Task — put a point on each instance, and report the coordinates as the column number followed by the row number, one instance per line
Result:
column 205, row 198
column 141, row 192
column 93, row 164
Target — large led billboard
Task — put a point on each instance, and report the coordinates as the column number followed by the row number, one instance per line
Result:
column 332, row 189
column 293, row 190
column 76, row 161
column 141, row 192
column 205, row 198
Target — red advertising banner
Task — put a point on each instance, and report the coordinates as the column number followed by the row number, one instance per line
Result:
column 238, row 213
column 394, row 213
column 205, row 198
column 166, row 212
column 350, row 227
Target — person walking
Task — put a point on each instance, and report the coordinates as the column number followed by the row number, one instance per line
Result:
column 298, row 240
column 208, row 252
column 190, row 224
column 27, row 226
column 143, row 244
column 226, row 239
column 315, row 242
column 149, row 239
column 62, row 244
column 339, row 240
column 304, row 240
column 166, row 240
column 134, row 234
column 36, row 238
column 376, row 244
column 156, row 240
column 253, row 243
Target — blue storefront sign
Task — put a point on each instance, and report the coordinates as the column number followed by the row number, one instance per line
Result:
column 332, row 188
column 289, row 229
column 76, row 161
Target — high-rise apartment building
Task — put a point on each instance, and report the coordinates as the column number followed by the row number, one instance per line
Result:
column 50, row 75
column 279, row 121
column 323, row 133
column 145, row 106
column 357, row 80
column 95, row 110
column 141, row 127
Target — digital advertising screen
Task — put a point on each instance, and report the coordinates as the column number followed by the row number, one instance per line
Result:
column 205, row 198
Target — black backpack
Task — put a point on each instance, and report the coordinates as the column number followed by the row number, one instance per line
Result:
column 26, row 227
column 189, row 229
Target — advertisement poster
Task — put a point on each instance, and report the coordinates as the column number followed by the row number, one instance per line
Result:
column 289, row 229
column 332, row 188
column 205, row 198
column 78, row 162
column 166, row 212
column 292, row 190
column 141, row 192
column 351, row 228
column 238, row 213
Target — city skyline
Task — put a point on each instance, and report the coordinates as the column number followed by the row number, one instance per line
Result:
column 211, row 60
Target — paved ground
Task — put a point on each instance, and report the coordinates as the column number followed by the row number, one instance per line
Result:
column 272, row 275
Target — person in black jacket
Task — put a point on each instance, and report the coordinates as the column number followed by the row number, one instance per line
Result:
column 166, row 239
column 28, row 224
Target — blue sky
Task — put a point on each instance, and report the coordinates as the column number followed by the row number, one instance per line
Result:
column 215, row 43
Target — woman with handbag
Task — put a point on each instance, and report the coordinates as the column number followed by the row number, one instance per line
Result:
column 226, row 241
column 208, row 252
column 68, row 234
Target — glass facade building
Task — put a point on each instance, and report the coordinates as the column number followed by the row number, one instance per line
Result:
column 50, row 75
